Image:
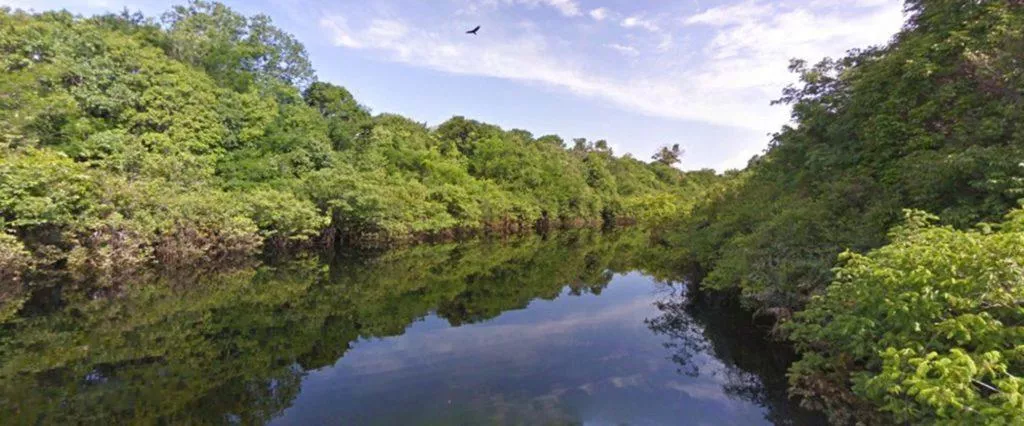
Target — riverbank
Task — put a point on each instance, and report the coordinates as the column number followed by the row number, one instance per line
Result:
column 113, row 260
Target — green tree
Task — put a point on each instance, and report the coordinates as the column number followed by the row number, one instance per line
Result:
column 668, row 155
column 347, row 120
column 236, row 50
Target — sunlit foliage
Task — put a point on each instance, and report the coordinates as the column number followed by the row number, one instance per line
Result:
column 927, row 328
column 127, row 141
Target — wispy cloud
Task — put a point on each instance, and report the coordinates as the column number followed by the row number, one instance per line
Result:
column 753, row 41
column 529, row 57
column 745, row 12
column 599, row 14
column 728, row 81
column 567, row 7
column 337, row 25
column 624, row 49
column 640, row 22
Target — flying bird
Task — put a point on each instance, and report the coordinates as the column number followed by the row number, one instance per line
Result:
column 474, row 30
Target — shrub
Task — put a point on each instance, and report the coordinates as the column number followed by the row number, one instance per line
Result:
column 929, row 328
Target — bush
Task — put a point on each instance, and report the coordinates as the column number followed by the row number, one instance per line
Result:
column 929, row 328
column 42, row 188
column 283, row 215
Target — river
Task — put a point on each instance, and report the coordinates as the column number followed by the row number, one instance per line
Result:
column 572, row 328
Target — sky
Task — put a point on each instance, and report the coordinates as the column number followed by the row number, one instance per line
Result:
column 639, row 74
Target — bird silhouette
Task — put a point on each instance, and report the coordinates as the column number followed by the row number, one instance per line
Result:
column 474, row 30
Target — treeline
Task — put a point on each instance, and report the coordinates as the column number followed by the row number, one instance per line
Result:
column 127, row 141
column 921, row 323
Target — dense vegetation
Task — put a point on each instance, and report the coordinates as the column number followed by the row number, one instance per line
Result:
column 927, row 326
column 881, row 229
column 127, row 142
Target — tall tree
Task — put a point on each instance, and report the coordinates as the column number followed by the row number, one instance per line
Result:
column 668, row 155
column 346, row 119
column 234, row 49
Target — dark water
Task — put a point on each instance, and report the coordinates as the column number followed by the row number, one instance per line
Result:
column 577, row 328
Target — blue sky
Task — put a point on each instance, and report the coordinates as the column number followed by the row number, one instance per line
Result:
column 640, row 74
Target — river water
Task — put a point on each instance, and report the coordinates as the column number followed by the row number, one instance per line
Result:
column 575, row 328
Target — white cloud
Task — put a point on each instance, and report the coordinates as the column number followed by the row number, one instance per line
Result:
column 639, row 22
column 529, row 57
column 599, row 14
column 740, row 158
column 859, row 3
column 566, row 7
column 666, row 42
column 569, row 8
column 16, row 4
column 624, row 49
column 340, row 34
column 747, row 11
column 755, row 41
column 387, row 30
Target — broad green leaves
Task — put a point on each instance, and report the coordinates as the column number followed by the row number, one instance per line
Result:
column 929, row 327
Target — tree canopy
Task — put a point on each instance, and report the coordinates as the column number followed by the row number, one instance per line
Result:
column 127, row 141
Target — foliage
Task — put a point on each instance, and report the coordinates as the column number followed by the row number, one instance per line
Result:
column 931, row 121
column 235, row 50
column 927, row 328
column 926, row 325
column 39, row 187
column 127, row 142
column 668, row 155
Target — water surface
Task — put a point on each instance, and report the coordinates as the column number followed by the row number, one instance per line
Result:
column 576, row 328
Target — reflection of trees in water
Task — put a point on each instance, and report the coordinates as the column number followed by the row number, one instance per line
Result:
column 684, row 337
column 233, row 347
column 753, row 367
column 247, row 402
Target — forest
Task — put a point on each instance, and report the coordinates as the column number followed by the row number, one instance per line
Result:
column 882, row 229
column 881, row 232
column 204, row 136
